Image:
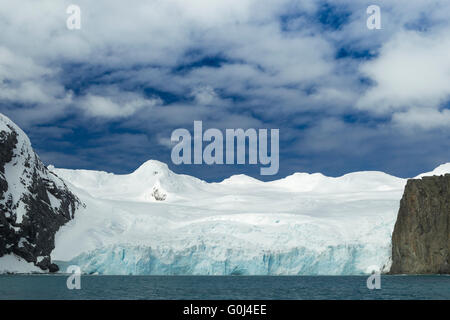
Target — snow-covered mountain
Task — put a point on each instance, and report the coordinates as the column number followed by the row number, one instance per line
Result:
column 154, row 221
column 34, row 203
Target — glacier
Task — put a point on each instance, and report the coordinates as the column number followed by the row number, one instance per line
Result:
column 156, row 222
column 203, row 259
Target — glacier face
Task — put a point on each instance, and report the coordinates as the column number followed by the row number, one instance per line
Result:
column 304, row 224
column 348, row 259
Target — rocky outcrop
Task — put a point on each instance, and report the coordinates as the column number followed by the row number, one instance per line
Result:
column 158, row 195
column 34, row 202
column 421, row 237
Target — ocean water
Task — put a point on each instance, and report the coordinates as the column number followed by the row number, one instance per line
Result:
column 223, row 287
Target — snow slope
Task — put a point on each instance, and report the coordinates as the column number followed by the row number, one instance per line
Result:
column 13, row 264
column 34, row 202
column 302, row 224
column 442, row 169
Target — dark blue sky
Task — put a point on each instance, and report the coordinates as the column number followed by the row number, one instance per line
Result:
column 345, row 98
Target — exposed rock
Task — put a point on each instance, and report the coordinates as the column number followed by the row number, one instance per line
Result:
column 421, row 237
column 34, row 202
column 158, row 195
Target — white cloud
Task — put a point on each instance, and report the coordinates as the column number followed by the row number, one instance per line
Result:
column 423, row 118
column 274, row 72
column 204, row 95
column 23, row 81
column 115, row 104
column 412, row 71
column 264, row 77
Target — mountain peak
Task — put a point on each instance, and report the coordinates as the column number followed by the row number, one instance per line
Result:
column 34, row 203
column 152, row 167
column 8, row 127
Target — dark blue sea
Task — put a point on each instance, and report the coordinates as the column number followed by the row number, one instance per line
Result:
column 223, row 287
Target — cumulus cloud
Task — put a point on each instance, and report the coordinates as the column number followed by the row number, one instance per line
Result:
column 23, row 81
column 412, row 71
column 111, row 102
column 310, row 68
column 147, row 41
column 204, row 95
column 99, row 106
column 423, row 118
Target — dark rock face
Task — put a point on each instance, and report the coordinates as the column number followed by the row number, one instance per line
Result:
column 421, row 237
column 34, row 202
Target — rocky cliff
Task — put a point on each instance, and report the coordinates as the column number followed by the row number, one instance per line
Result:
column 421, row 237
column 34, row 202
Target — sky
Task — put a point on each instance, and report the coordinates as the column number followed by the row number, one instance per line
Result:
column 345, row 98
